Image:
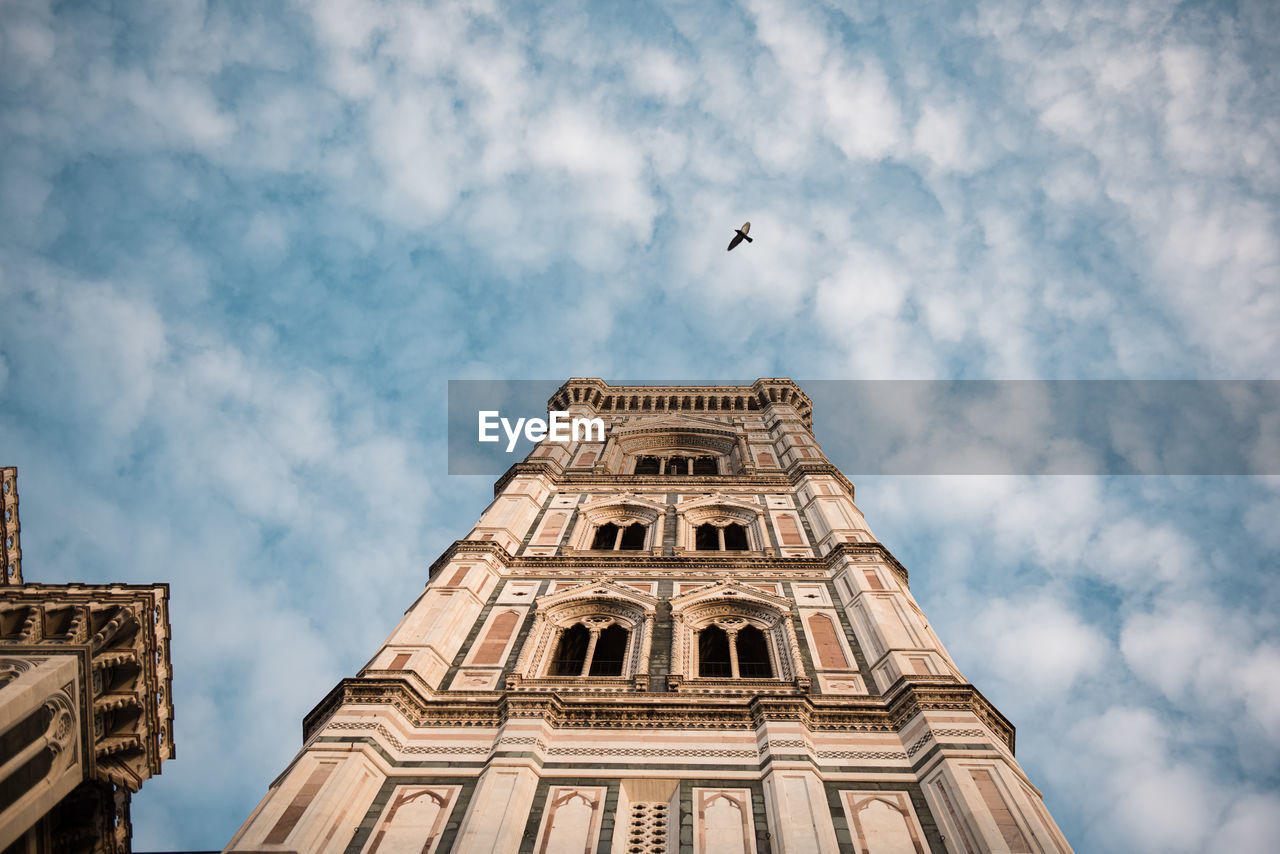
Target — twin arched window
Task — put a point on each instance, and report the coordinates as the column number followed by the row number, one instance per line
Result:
column 713, row 538
column 584, row 651
column 611, row 537
column 741, row 653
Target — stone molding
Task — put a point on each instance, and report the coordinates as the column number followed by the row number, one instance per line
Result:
column 890, row 714
column 718, row 564
column 711, row 400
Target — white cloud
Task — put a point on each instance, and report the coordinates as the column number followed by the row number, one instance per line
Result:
column 1038, row 643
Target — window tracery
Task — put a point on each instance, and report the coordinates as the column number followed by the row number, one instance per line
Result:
column 594, row 630
column 720, row 523
column 729, row 632
column 623, row 522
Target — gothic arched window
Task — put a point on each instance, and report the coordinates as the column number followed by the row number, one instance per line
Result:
column 571, row 652
column 741, row 652
column 610, row 537
column 579, row 654
column 606, row 536
column 753, row 654
column 610, row 653
column 714, row 659
column 731, row 537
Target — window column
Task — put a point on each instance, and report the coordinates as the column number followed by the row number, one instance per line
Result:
column 591, row 650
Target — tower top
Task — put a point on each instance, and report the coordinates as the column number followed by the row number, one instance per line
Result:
column 762, row 395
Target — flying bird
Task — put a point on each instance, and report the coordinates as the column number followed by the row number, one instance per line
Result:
column 740, row 236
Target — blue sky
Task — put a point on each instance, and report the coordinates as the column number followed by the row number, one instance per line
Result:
column 243, row 247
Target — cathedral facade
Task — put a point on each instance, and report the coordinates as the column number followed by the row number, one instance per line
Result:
column 680, row 638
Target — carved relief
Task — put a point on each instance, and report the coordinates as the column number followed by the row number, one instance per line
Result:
column 723, row 823
column 413, row 820
column 571, row 820
column 882, row 822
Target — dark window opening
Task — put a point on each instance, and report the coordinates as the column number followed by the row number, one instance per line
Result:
column 647, row 465
column 753, row 654
column 571, row 652
column 610, row 652
column 677, row 466
column 708, row 538
column 735, row 538
column 633, row 537
column 606, row 536
column 713, row 653
column 705, row 465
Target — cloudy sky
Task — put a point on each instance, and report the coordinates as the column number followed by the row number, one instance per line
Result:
column 244, row 246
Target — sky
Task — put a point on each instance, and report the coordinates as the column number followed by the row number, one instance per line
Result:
column 244, row 246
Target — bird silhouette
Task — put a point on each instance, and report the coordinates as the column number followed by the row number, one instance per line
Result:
column 740, row 236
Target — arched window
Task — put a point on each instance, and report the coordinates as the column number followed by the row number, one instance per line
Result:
column 610, row 652
column 571, row 652
column 577, row 655
column 731, row 537
column 705, row 465
column 610, row 537
column 606, row 536
column 740, row 653
column 632, row 537
column 753, row 654
column 713, row 653
column 677, row 466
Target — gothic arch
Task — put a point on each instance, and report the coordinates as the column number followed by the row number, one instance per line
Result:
column 730, row 607
column 719, row 510
column 621, row 510
column 596, row 605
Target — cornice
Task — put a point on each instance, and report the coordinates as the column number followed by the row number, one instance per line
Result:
column 560, row 478
column 906, row 699
column 661, row 400
column 121, row 633
column 628, row 564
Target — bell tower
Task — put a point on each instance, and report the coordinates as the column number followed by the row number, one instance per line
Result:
column 682, row 637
